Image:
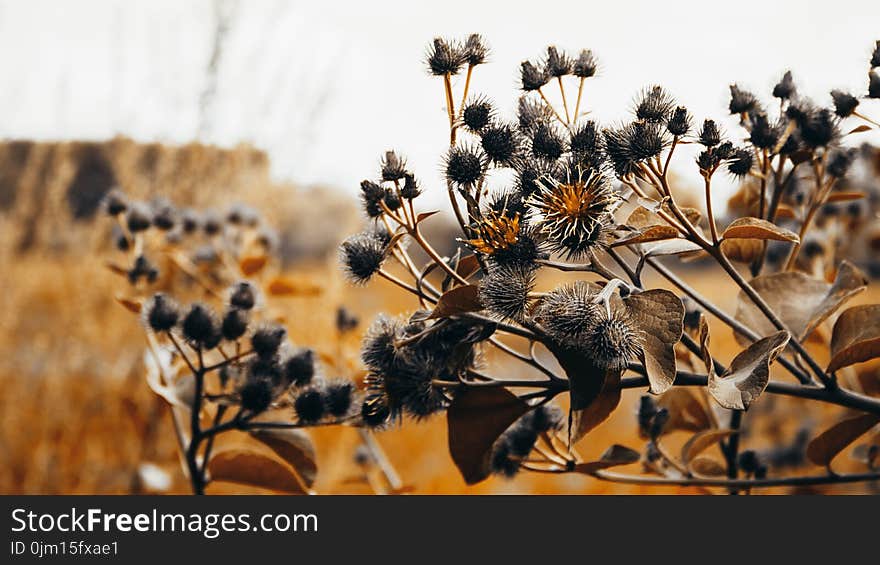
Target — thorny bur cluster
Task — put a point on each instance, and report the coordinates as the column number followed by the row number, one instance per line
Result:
column 600, row 200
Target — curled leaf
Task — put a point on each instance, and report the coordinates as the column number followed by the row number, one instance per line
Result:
column 650, row 233
column 254, row 469
column 295, row 447
column 801, row 301
column 686, row 411
column 705, row 353
column 707, row 467
column 458, row 300
column 742, row 250
column 856, row 336
column 755, row 228
column 748, row 374
column 659, row 315
column 475, row 420
column 825, row 447
column 614, row 456
column 701, row 441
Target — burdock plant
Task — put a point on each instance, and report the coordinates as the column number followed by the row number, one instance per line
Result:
column 598, row 200
column 223, row 361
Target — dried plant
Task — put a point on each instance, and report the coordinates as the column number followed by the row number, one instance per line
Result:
column 599, row 200
column 224, row 362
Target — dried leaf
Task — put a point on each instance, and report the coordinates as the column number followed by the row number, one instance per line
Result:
column 742, row 250
column 475, row 420
column 705, row 352
column 459, row 300
column 584, row 420
column 686, row 412
column 755, row 228
column 133, row 305
column 467, row 266
column 284, row 286
column 748, row 374
column 160, row 370
column 825, row 447
column 295, row 447
column 860, row 129
column 801, row 301
column 701, row 441
column 614, row 456
column 856, row 336
column 425, row 215
column 650, row 233
column 116, row 269
column 707, row 467
column 644, row 215
column 659, row 314
column 254, row 469
column 845, row 196
column 252, row 264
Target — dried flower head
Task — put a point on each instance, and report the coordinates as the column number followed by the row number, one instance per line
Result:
column 256, row 395
column 740, row 164
column 200, row 327
column 840, row 161
column 547, row 142
column 575, row 216
column 873, row 85
column 613, row 341
column 410, row 188
column 532, row 113
column 585, row 65
column 844, row 103
column 445, row 57
column 362, row 255
column 234, row 324
column 465, row 165
column 475, row 50
column 139, row 217
column 741, row 101
column 586, row 146
column 162, row 313
column 501, row 142
column 267, row 340
column 765, row 135
column 393, row 166
column 504, row 290
column 477, row 114
column 680, row 122
column 338, row 397
column 299, row 368
column 568, row 312
column 505, row 239
column 557, row 64
column 532, row 77
column 115, row 202
column 820, row 129
column 654, row 105
column 785, row 88
column 243, row 295
column 309, row 405
column 710, row 135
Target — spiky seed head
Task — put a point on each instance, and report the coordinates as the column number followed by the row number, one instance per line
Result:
column 680, row 122
column 235, row 324
column 532, row 113
column 162, row 313
column 785, row 88
column 475, row 50
column 740, row 164
column 143, row 268
column 501, row 143
column 569, row 312
column 820, row 129
column 547, row 142
column 445, row 57
column 504, row 291
column 844, row 103
column 362, row 255
column 465, row 165
column 741, row 101
column 586, row 145
column 840, row 161
column 505, row 239
column 873, row 85
column 256, row 395
column 654, row 105
column 710, row 134
column 708, row 161
column 575, row 216
column 393, row 166
column 765, row 135
column 875, row 56
column 309, row 405
column 338, row 397
column 529, row 171
column 372, row 195
column 375, row 412
column 299, row 368
column 200, row 326
column 613, row 341
column 410, row 187
column 557, row 64
column 477, row 114
column 268, row 339
column 585, row 65
column 243, row 295
column 532, row 77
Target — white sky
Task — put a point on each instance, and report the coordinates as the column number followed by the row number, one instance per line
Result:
column 325, row 87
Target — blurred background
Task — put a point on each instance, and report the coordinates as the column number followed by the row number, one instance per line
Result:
column 280, row 104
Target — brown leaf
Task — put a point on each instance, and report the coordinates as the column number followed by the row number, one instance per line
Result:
column 584, row 420
column 860, row 129
column 748, row 374
column 116, row 269
column 801, row 301
column 659, row 315
column 475, row 420
column 252, row 264
column 742, row 250
column 686, row 412
column 705, row 352
column 644, row 217
column 856, row 336
column 701, row 441
column 459, row 300
column 133, row 305
column 755, row 228
column 425, row 215
column 295, row 447
column 650, row 233
column 824, row 447
column 614, row 456
column 707, row 467
column 467, row 266
column 284, row 286
column 255, row 469
column 845, row 196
